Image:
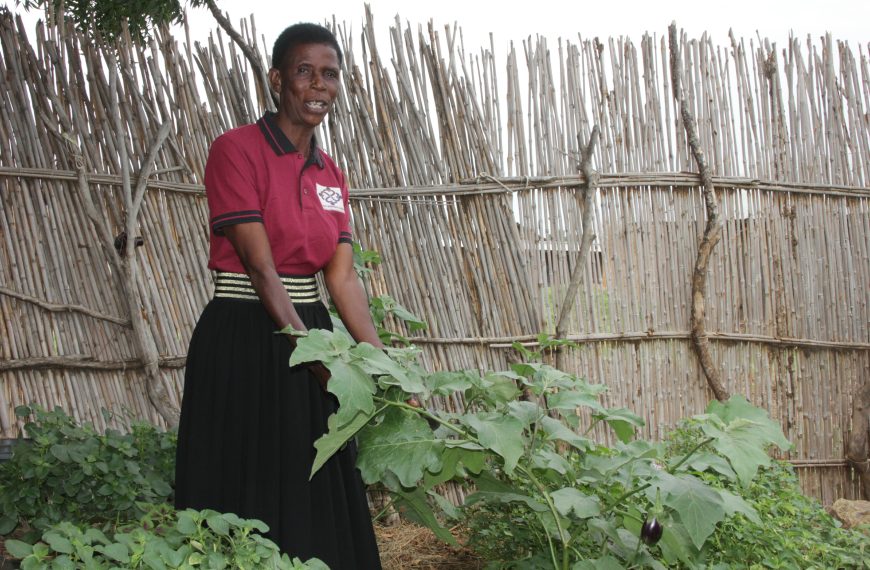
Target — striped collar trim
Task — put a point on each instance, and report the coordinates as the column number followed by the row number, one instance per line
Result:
column 279, row 142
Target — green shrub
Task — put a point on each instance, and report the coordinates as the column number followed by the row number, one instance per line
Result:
column 161, row 539
column 792, row 530
column 546, row 495
column 68, row 472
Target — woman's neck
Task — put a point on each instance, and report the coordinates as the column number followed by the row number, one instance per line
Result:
column 299, row 135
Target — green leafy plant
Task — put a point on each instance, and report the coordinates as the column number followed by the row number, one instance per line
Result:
column 68, row 472
column 161, row 539
column 109, row 19
column 582, row 500
column 383, row 308
column 790, row 531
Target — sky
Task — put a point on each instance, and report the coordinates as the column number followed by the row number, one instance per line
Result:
column 775, row 19
column 514, row 21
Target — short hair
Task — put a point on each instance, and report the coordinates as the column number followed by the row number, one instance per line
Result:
column 299, row 34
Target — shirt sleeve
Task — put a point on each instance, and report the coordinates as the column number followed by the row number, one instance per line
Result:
column 230, row 186
column 344, row 235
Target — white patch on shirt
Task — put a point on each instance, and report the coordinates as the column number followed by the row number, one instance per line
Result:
column 330, row 198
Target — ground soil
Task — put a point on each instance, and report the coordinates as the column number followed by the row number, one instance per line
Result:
column 407, row 546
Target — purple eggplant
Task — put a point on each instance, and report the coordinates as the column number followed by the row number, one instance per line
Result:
column 651, row 531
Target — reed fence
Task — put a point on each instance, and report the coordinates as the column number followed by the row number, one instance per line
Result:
column 465, row 177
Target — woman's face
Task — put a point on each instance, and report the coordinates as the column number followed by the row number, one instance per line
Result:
column 308, row 83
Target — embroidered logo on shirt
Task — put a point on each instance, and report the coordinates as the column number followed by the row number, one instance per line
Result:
column 330, row 198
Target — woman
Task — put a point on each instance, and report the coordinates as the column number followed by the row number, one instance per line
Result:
column 279, row 213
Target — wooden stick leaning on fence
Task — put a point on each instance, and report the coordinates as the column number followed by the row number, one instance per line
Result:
column 124, row 260
column 712, row 229
column 586, row 240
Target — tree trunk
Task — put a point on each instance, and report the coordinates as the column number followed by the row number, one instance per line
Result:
column 712, row 231
column 858, row 444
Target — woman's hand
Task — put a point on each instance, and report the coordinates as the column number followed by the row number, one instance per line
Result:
column 321, row 373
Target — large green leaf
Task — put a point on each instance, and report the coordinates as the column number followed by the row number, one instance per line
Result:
column 569, row 500
column 452, row 460
column 743, row 443
column 527, row 412
column 737, row 407
column 413, row 505
column 320, row 345
column 499, row 388
column 699, row 507
column 499, row 433
column 571, row 400
column 7, row 524
column 115, row 551
column 58, row 543
column 336, row 436
column 401, row 444
column 353, row 388
column 546, row 459
column 375, row 361
column 18, row 549
column 556, row 430
column 742, row 433
column 449, row 509
column 542, row 378
column 622, row 421
column 707, row 461
column 677, row 545
column 446, row 383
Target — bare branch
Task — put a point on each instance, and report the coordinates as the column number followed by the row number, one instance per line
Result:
column 63, row 308
column 712, row 229
column 104, row 235
column 80, row 362
column 587, row 237
column 249, row 52
column 146, row 170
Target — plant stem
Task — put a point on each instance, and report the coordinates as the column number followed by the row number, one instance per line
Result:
column 629, row 494
column 562, row 534
column 669, row 470
column 634, row 556
column 389, row 504
column 592, row 425
column 533, row 443
column 690, row 454
column 423, row 412
column 549, row 543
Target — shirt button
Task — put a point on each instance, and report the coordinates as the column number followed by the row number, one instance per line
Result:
column 305, row 191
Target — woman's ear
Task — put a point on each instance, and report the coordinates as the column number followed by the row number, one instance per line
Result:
column 275, row 79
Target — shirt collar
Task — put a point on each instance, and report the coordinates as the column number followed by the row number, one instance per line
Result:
column 279, row 142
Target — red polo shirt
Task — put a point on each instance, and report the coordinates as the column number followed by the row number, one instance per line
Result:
column 255, row 174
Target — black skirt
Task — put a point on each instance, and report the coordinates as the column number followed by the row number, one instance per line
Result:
column 245, row 440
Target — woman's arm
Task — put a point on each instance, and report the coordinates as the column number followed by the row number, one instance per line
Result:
column 252, row 246
column 352, row 302
column 349, row 296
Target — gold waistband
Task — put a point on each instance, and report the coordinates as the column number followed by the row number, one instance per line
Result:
column 238, row 286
